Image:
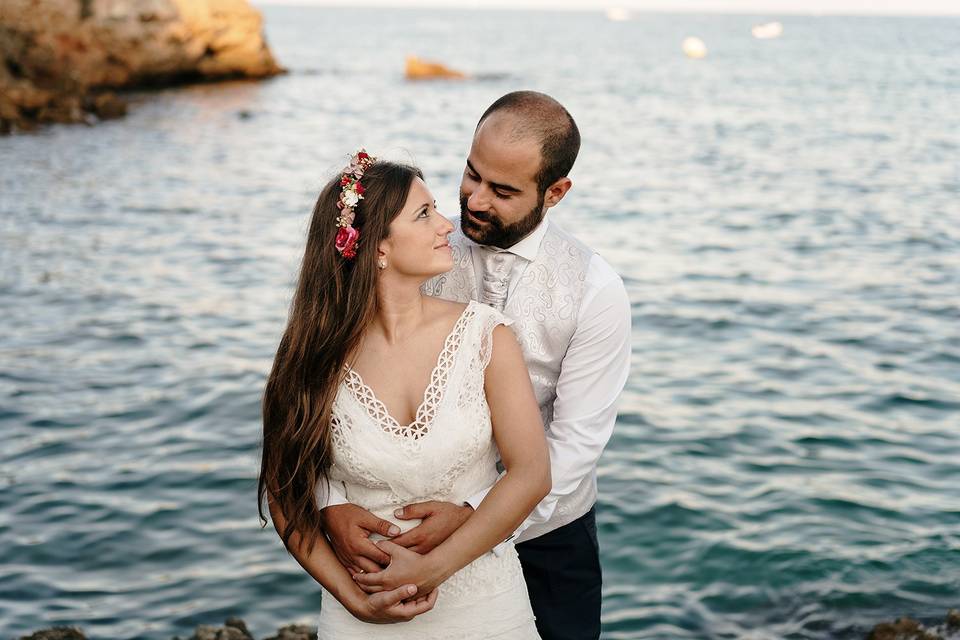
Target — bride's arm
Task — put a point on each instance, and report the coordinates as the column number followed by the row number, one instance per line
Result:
column 518, row 431
column 322, row 564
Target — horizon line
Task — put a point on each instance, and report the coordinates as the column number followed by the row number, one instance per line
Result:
column 733, row 11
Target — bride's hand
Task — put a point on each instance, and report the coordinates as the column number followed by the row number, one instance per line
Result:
column 406, row 567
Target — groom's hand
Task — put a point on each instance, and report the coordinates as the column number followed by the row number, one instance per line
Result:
column 438, row 521
column 400, row 605
column 349, row 528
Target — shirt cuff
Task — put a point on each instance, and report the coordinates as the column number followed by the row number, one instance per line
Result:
column 336, row 495
column 501, row 548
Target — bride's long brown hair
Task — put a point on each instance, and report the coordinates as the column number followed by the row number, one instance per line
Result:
column 334, row 302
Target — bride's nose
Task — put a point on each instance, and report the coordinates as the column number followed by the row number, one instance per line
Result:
column 445, row 227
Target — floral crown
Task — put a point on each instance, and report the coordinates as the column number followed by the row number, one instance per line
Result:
column 351, row 193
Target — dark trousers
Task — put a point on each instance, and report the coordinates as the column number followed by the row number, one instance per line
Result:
column 562, row 570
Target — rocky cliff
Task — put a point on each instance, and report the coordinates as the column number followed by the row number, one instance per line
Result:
column 58, row 58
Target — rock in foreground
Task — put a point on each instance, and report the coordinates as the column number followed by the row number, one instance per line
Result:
column 58, row 56
column 910, row 629
column 232, row 629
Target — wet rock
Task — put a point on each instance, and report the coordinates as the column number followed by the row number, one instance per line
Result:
column 232, row 629
column 237, row 623
column 207, row 632
column 953, row 621
column 295, row 632
column 106, row 106
column 910, row 629
column 901, row 629
column 54, row 53
column 56, row 633
column 236, row 629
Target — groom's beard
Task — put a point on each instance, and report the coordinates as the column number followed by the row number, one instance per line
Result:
column 495, row 233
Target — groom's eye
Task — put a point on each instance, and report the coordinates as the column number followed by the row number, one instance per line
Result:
column 501, row 195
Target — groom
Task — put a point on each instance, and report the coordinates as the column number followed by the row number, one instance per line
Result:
column 572, row 318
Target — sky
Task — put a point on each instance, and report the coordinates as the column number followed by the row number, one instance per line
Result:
column 759, row 7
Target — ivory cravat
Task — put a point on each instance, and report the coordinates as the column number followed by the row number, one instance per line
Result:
column 496, row 277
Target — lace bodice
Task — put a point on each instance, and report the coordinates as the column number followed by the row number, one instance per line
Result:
column 447, row 453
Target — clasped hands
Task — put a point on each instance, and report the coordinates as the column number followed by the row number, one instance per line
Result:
column 387, row 569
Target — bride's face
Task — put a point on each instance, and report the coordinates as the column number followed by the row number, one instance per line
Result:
column 417, row 244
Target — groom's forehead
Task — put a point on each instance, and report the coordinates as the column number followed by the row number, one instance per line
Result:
column 504, row 156
column 508, row 128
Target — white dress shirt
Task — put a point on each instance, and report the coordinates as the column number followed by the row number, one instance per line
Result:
column 593, row 374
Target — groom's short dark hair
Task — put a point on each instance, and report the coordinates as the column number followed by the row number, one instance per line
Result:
column 543, row 118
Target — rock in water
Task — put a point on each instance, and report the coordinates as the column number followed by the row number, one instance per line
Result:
column 295, row 632
column 56, row 633
column 910, row 629
column 417, row 69
column 55, row 52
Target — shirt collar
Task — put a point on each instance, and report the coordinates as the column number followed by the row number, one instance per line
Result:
column 528, row 247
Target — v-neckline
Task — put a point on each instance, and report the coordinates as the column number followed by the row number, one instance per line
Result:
column 379, row 413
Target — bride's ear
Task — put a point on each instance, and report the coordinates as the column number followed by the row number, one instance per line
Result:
column 382, row 252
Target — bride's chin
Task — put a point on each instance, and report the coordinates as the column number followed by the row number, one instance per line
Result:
column 439, row 271
column 442, row 268
column 434, row 268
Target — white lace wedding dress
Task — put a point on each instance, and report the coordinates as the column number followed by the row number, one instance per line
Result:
column 446, row 454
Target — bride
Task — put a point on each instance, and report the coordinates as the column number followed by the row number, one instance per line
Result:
column 400, row 398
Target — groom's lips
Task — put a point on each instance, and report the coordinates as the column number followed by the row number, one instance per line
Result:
column 473, row 216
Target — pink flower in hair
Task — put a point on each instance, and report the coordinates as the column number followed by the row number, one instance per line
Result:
column 346, row 241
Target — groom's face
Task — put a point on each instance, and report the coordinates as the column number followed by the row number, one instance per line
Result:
column 499, row 200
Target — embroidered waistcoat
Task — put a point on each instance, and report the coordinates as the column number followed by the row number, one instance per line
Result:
column 544, row 306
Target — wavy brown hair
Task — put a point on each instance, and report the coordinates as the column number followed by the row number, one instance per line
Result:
column 334, row 302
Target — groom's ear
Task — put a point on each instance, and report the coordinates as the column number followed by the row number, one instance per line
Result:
column 556, row 191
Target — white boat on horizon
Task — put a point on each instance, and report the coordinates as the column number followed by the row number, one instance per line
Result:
column 616, row 14
column 694, row 48
column 767, row 31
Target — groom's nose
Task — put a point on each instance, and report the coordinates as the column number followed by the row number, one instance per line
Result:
column 479, row 200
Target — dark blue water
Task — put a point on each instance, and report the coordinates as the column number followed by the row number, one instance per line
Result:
column 786, row 215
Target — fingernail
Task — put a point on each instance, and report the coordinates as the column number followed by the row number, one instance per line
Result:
column 411, row 589
column 394, row 530
column 398, row 513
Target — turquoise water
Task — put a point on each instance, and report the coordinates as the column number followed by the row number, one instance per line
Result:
column 786, row 216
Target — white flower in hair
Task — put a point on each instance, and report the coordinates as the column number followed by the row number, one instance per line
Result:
column 350, row 197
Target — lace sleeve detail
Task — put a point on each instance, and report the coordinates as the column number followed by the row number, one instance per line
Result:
column 489, row 319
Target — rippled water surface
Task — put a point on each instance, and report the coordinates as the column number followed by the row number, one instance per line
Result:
column 785, row 214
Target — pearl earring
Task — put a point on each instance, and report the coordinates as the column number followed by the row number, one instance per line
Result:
column 382, row 263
